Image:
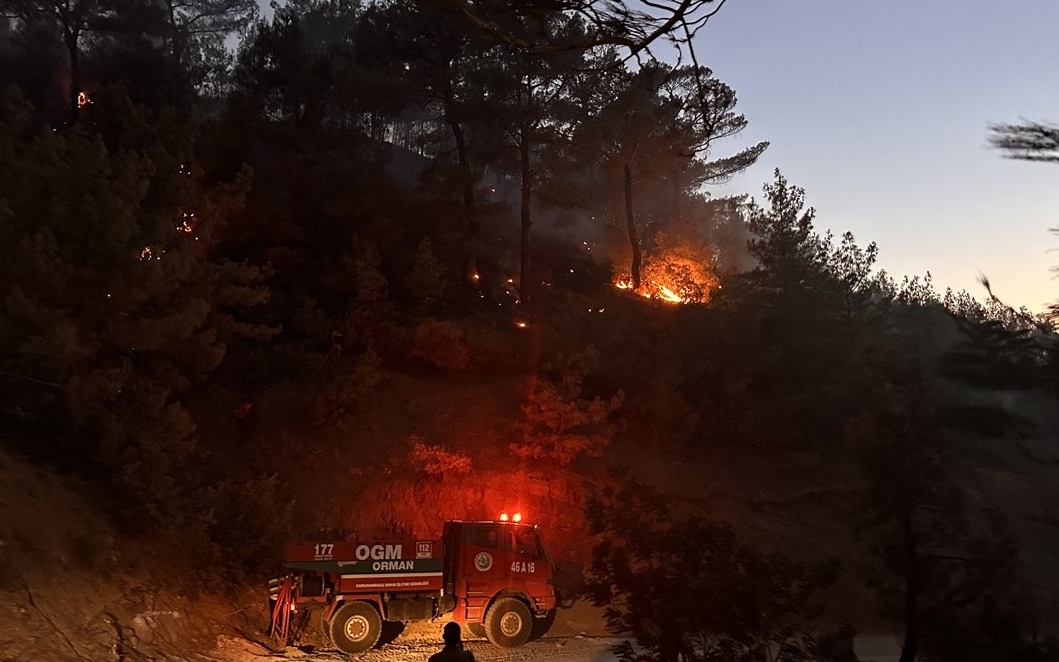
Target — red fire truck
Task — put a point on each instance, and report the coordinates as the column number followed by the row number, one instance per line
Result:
column 494, row 577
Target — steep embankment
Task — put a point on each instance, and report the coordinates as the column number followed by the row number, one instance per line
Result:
column 71, row 588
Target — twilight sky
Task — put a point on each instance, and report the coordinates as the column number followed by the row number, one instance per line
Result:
column 879, row 110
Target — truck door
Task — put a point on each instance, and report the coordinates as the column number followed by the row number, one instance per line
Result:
column 477, row 563
column 527, row 565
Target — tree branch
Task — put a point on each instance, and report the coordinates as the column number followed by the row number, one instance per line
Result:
column 1029, row 141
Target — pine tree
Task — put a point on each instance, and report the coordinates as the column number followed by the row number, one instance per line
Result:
column 116, row 305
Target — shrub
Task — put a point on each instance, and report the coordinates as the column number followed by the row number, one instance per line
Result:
column 342, row 398
column 437, row 461
column 428, row 279
column 561, row 422
column 440, row 344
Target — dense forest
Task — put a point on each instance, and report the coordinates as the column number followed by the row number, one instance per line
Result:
column 342, row 267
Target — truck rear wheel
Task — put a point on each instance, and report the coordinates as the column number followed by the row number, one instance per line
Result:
column 355, row 627
column 508, row 623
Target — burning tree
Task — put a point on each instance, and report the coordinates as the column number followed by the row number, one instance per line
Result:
column 680, row 272
column 659, row 132
column 71, row 19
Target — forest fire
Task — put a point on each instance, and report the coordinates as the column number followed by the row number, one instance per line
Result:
column 650, row 289
column 679, row 275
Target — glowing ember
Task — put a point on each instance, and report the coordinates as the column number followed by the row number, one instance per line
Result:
column 521, row 324
column 186, row 224
column 83, row 99
column 147, row 253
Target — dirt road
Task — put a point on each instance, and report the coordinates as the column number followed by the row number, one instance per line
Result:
column 419, row 641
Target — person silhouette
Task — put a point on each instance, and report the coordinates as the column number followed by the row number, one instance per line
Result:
column 453, row 650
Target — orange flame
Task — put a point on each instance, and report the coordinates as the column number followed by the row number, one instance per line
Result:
column 672, row 279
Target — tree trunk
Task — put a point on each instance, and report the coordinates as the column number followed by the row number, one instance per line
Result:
column 176, row 53
column 527, row 191
column 474, row 232
column 630, row 227
column 71, row 39
column 910, row 648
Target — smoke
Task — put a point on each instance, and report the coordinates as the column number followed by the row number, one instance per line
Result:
column 579, row 225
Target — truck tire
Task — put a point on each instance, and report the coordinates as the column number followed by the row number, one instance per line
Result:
column 477, row 629
column 355, row 627
column 273, row 594
column 508, row 623
column 542, row 625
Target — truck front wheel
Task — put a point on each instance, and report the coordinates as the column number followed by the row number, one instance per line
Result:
column 355, row 627
column 508, row 623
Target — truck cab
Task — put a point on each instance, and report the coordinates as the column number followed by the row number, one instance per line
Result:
column 500, row 575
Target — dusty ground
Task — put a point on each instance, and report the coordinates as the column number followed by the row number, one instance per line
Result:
column 420, row 643
column 420, row 640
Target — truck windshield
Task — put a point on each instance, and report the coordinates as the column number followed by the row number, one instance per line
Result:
column 482, row 537
column 526, row 543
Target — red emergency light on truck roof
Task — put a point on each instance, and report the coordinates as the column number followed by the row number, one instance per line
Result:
column 494, row 577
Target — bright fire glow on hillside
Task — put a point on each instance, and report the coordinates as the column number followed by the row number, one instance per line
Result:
column 650, row 290
column 680, row 275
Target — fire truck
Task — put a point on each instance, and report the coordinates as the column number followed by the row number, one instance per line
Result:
column 495, row 577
